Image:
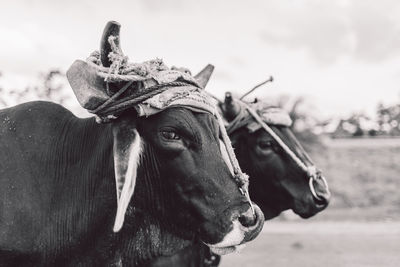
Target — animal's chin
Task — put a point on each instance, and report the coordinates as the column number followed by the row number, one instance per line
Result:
column 309, row 213
column 272, row 212
column 305, row 215
column 226, row 250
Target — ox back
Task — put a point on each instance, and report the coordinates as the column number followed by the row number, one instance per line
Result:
column 58, row 192
column 50, row 162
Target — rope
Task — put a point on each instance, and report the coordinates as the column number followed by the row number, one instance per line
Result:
column 311, row 171
column 240, row 120
column 113, row 106
column 136, row 73
column 131, row 72
column 254, row 114
column 239, row 177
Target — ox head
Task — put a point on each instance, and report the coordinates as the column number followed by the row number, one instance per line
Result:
column 169, row 162
column 277, row 181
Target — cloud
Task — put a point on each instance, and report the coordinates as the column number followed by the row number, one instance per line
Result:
column 376, row 31
column 356, row 42
column 328, row 31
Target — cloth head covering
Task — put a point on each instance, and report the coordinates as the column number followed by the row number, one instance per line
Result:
column 149, row 87
column 271, row 115
column 189, row 97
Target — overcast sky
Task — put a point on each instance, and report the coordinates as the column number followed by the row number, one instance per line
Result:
column 342, row 55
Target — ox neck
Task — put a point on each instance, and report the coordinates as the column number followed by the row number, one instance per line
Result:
column 148, row 231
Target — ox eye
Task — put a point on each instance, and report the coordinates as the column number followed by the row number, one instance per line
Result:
column 170, row 135
column 265, row 144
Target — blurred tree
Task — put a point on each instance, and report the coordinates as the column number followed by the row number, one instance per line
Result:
column 300, row 111
column 357, row 125
column 50, row 87
column 388, row 119
column 304, row 121
column 2, row 101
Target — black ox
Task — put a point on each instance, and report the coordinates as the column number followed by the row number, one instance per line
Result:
column 58, row 189
column 276, row 182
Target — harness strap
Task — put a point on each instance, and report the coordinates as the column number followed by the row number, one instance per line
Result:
column 241, row 179
column 120, row 70
column 296, row 159
column 311, row 171
column 240, row 120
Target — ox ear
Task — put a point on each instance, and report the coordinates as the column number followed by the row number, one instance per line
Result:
column 127, row 151
column 204, row 75
column 88, row 87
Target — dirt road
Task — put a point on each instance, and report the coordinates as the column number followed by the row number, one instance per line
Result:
column 322, row 244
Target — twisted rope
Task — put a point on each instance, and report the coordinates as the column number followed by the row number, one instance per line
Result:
column 114, row 105
column 242, row 119
column 311, row 171
column 123, row 71
column 241, row 179
column 282, row 144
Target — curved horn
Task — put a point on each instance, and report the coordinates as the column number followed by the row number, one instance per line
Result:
column 204, row 75
column 112, row 28
column 231, row 108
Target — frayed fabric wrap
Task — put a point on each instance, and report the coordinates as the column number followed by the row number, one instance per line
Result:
column 185, row 96
column 272, row 116
column 269, row 114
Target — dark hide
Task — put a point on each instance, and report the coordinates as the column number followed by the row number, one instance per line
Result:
column 58, row 188
column 192, row 256
column 276, row 183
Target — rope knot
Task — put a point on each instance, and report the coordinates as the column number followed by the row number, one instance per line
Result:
column 118, row 59
column 241, row 179
column 94, row 57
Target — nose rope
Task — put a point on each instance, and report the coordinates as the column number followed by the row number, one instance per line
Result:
column 311, row 171
column 241, row 179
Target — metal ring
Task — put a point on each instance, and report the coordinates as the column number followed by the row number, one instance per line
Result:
column 312, row 189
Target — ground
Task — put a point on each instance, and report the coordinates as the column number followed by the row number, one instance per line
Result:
column 360, row 228
column 327, row 244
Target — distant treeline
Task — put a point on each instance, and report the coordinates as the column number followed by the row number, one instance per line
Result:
column 53, row 86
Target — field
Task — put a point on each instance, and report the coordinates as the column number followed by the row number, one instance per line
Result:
column 316, row 244
column 361, row 227
column 362, row 173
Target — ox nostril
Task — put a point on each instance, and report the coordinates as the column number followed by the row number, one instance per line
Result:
column 323, row 199
column 248, row 219
column 326, row 197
